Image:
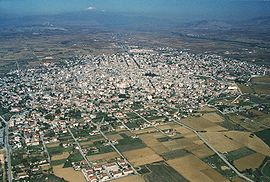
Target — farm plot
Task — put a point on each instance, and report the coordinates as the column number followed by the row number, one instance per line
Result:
column 142, row 156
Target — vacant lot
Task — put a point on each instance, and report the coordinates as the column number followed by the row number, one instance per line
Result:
column 161, row 172
column 68, row 174
column 195, row 170
column 252, row 161
column 143, row 156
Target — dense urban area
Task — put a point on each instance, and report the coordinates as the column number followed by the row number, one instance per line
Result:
column 158, row 114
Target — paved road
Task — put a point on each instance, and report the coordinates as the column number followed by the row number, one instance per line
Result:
column 8, row 151
column 124, row 124
column 210, row 146
column 119, row 153
column 150, row 123
column 80, row 149
column 45, row 148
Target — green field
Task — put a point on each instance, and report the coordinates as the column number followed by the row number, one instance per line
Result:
column 47, row 178
column 214, row 160
column 266, row 169
column 162, row 172
column 174, row 154
column 129, row 143
column 58, row 150
column 239, row 153
column 264, row 135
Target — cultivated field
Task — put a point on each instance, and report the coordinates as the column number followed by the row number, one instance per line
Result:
column 161, row 172
column 201, row 151
column 252, row 142
column 142, row 156
column 178, row 143
column 204, row 124
column 252, row 161
column 195, row 170
column 151, row 141
column 221, row 142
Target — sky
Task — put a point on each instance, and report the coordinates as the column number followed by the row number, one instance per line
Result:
column 175, row 9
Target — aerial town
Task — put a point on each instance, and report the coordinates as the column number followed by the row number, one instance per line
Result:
column 112, row 117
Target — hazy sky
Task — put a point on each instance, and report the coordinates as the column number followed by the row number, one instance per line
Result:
column 215, row 9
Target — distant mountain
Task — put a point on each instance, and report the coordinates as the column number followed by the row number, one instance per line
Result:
column 90, row 18
column 209, row 24
column 261, row 21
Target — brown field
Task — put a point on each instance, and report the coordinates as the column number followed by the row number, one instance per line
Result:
column 105, row 157
column 244, row 88
column 64, row 155
column 86, row 143
column 216, row 128
column 214, row 175
column 204, row 124
column 220, row 142
column 53, row 144
column 143, row 156
column 198, row 123
column 201, row 151
column 183, row 130
column 151, row 141
column 146, row 130
column 254, row 143
column 130, row 179
column 213, row 117
column 265, row 79
column 115, row 137
column 168, row 126
column 207, row 109
column 68, row 174
column 252, row 161
column 2, row 158
column 195, row 170
column 238, row 179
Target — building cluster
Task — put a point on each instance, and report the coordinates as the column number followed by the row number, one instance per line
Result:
column 107, row 171
column 53, row 97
